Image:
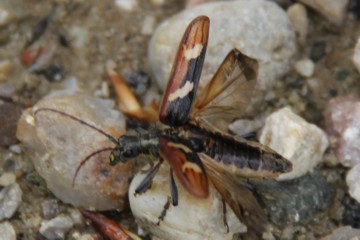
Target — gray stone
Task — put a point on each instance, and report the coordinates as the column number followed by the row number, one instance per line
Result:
column 10, row 199
column 56, row 228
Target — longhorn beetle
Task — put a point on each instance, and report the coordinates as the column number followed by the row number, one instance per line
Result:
column 196, row 151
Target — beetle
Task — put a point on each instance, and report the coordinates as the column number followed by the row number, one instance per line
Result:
column 197, row 152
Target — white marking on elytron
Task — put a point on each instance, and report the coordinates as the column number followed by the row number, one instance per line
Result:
column 179, row 145
column 193, row 52
column 193, row 166
column 182, row 92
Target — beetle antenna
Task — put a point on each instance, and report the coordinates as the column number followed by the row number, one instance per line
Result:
column 111, row 138
column 85, row 160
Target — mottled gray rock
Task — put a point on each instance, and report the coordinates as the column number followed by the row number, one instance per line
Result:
column 7, row 231
column 260, row 29
column 56, row 228
column 294, row 138
column 57, row 144
column 295, row 201
column 10, row 199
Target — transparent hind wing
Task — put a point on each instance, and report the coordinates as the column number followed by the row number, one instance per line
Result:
column 228, row 93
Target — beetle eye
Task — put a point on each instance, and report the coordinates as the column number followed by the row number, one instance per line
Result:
column 115, row 157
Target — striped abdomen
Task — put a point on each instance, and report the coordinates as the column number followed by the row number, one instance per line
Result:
column 239, row 156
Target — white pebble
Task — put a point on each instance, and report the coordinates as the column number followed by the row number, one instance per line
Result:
column 7, row 231
column 193, row 218
column 56, row 228
column 299, row 141
column 305, row 67
column 10, row 199
column 299, row 21
column 260, row 29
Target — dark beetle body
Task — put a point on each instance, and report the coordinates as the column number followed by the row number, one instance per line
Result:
column 243, row 157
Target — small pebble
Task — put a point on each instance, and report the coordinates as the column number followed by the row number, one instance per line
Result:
column 333, row 10
column 56, row 228
column 127, row 5
column 342, row 119
column 15, row 148
column 305, row 67
column 260, row 29
column 299, row 21
column 10, row 199
column 5, row 16
column 353, row 182
column 356, row 56
column 76, row 216
column 299, row 141
column 148, row 25
column 7, row 178
column 49, row 208
column 7, row 231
